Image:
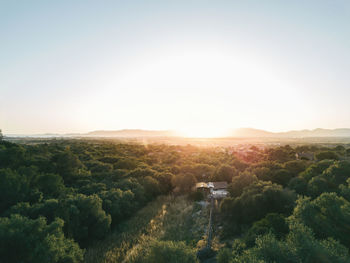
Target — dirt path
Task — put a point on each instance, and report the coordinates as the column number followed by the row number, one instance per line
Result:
column 116, row 246
column 167, row 218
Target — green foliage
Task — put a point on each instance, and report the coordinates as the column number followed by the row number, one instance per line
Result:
column 125, row 163
column 224, row 173
column 197, row 196
column 99, row 167
column 331, row 178
column 271, row 223
column 151, row 186
column 299, row 185
column 295, row 167
column 318, row 185
column 164, row 219
column 263, row 173
column 300, row 245
column 141, row 172
column 203, row 171
column 338, row 172
column 344, row 190
column 347, row 151
column 327, row 155
column 84, row 218
column 13, row 188
column 27, row 240
column 50, row 209
column 164, row 180
column 257, row 200
column 281, row 154
column 119, row 204
column 339, row 148
column 133, row 185
column 11, row 155
column 184, row 221
column 224, row 255
column 166, row 252
column 315, row 169
column 183, row 183
column 67, row 165
column 267, row 249
column 240, row 182
column 309, row 249
column 281, row 176
column 51, row 185
column 92, row 188
column 328, row 216
column 117, row 246
column 206, row 254
column 99, row 187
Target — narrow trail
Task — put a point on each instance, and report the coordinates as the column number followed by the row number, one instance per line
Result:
column 167, row 218
column 210, row 224
column 206, row 254
column 118, row 244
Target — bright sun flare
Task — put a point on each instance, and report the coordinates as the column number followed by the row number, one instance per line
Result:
column 201, row 93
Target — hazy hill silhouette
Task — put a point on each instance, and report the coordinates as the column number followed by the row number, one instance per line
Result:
column 255, row 133
column 132, row 133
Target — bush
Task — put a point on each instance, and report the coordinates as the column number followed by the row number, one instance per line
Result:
column 27, row 240
column 165, row 252
column 272, row 223
column 300, row 245
column 240, row 182
column 224, row 173
column 256, row 201
column 224, row 255
column 197, row 196
column 205, row 254
column 327, row 155
column 85, row 220
column 299, row 185
column 328, row 216
column 315, row 169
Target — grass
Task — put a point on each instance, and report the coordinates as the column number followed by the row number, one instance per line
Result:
column 115, row 247
column 166, row 218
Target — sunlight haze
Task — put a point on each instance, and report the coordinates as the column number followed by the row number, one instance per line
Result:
column 188, row 66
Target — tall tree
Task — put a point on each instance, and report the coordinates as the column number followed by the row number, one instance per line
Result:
column 27, row 240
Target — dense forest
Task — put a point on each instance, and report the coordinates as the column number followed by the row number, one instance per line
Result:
column 103, row 201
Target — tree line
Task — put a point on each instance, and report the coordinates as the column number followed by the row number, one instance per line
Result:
column 58, row 197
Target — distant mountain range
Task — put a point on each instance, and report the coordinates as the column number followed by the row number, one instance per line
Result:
column 255, row 133
column 238, row 133
column 132, row 133
column 241, row 132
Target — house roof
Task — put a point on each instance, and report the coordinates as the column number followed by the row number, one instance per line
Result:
column 214, row 185
column 201, row 185
column 220, row 185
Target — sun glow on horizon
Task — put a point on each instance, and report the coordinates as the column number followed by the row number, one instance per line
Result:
column 196, row 67
column 200, row 91
column 203, row 132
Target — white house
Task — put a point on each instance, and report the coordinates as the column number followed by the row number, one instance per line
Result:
column 216, row 189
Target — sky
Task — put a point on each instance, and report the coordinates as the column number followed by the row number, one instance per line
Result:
column 199, row 67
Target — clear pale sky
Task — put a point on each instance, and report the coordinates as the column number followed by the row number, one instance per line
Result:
column 77, row 66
